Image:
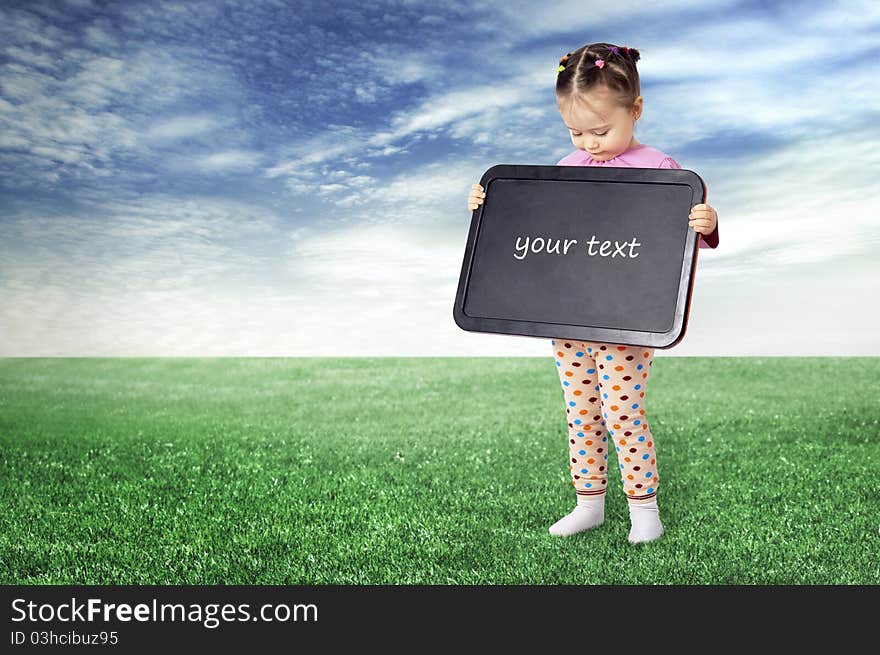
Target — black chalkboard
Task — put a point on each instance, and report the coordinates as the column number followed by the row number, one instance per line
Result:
column 581, row 252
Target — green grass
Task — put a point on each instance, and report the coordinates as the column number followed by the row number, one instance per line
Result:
column 429, row 471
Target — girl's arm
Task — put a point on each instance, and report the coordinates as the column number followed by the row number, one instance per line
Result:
column 708, row 240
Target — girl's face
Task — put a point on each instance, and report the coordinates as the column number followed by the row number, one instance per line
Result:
column 598, row 125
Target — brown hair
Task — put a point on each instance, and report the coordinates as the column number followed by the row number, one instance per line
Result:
column 580, row 72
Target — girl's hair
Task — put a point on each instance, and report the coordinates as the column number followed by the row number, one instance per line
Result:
column 581, row 73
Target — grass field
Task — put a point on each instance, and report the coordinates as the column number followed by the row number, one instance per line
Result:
column 429, row 470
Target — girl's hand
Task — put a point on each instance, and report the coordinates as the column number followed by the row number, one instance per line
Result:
column 476, row 196
column 703, row 218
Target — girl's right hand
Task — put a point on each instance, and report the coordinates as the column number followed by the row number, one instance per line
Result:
column 476, row 196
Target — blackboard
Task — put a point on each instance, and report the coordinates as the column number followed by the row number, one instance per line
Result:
column 581, row 252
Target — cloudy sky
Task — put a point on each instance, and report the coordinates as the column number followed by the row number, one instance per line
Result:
column 290, row 178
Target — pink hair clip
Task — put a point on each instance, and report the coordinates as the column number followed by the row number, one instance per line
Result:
column 600, row 63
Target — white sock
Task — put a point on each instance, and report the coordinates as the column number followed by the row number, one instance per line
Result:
column 588, row 513
column 645, row 518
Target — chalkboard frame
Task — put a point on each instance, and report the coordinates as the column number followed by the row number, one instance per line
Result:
column 661, row 176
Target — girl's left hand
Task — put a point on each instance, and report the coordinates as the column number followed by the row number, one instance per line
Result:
column 703, row 218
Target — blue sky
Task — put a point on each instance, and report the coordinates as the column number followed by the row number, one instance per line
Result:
column 290, row 178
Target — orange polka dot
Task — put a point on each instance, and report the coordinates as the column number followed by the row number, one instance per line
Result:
column 652, row 461
column 642, row 394
column 589, row 443
column 641, row 411
column 578, row 392
column 623, row 442
column 644, row 375
column 559, row 353
column 647, row 354
column 616, row 387
column 629, row 477
column 591, row 461
column 626, row 459
column 618, row 368
column 569, row 373
column 616, row 426
column 614, row 408
column 621, row 347
column 632, row 492
column 650, row 443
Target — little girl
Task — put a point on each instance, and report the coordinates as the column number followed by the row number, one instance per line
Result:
column 604, row 384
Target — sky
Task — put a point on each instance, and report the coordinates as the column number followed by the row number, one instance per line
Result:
column 290, row 178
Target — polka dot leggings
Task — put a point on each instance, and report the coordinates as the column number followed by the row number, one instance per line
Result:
column 604, row 388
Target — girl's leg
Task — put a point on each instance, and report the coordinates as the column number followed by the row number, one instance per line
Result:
column 623, row 379
column 587, row 437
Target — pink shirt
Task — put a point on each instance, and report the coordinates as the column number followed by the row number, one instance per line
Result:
column 640, row 156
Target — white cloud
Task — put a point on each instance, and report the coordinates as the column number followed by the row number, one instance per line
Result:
column 173, row 128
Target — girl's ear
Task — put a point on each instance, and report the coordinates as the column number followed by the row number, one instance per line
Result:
column 639, row 107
